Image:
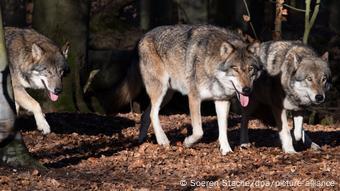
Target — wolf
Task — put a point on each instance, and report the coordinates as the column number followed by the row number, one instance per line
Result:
column 35, row 62
column 203, row 62
column 294, row 77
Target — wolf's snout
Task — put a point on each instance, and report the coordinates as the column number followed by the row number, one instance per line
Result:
column 246, row 91
column 58, row 90
column 319, row 98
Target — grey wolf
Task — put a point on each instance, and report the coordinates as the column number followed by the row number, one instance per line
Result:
column 294, row 78
column 34, row 62
column 203, row 62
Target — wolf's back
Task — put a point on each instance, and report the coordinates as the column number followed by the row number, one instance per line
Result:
column 180, row 38
column 19, row 44
column 275, row 55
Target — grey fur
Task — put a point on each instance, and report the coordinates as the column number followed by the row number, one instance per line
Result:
column 294, row 76
column 204, row 62
column 34, row 62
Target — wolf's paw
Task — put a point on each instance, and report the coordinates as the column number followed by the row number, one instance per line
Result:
column 315, row 146
column 43, row 126
column 163, row 140
column 289, row 150
column 191, row 140
column 245, row 145
column 225, row 150
column 187, row 142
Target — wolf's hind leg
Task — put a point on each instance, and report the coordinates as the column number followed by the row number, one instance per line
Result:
column 195, row 113
column 145, row 119
column 28, row 103
column 156, row 94
column 222, row 111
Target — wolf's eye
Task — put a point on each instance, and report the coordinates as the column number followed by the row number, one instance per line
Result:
column 252, row 69
column 40, row 69
column 234, row 68
column 324, row 78
column 309, row 78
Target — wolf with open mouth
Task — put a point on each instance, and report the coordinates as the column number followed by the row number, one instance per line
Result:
column 204, row 62
column 294, row 78
column 37, row 63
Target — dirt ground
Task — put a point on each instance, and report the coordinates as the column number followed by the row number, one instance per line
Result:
column 93, row 152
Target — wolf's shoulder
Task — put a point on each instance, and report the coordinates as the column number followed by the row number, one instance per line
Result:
column 19, row 38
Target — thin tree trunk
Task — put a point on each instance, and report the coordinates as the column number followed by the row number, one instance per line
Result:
column 278, row 20
column 12, row 148
column 309, row 22
column 144, row 10
column 194, row 11
column 65, row 20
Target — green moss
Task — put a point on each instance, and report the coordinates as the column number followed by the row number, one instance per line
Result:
column 327, row 120
column 65, row 102
column 107, row 22
column 311, row 119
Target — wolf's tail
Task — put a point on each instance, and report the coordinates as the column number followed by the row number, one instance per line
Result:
column 113, row 90
column 129, row 87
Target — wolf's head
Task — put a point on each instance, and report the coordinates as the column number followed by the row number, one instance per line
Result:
column 48, row 69
column 311, row 78
column 240, row 68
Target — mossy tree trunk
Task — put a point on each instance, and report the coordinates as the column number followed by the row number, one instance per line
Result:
column 65, row 20
column 14, row 12
column 12, row 148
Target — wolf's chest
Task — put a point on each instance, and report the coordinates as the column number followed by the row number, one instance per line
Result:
column 215, row 91
column 23, row 82
column 179, row 85
column 289, row 105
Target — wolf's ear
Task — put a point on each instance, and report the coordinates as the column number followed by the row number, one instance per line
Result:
column 254, row 47
column 226, row 49
column 325, row 56
column 294, row 60
column 65, row 49
column 37, row 52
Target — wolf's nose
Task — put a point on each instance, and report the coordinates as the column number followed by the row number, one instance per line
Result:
column 319, row 98
column 246, row 91
column 57, row 90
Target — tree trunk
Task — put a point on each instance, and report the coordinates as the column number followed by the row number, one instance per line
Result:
column 144, row 14
column 193, row 11
column 278, row 20
column 65, row 20
column 12, row 148
column 240, row 10
column 14, row 12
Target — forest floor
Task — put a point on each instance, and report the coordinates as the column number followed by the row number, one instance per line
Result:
column 93, row 152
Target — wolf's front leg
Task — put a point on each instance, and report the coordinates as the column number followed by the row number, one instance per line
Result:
column 196, row 122
column 300, row 134
column 285, row 136
column 23, row 99
column 244, row 138
column 222, row 111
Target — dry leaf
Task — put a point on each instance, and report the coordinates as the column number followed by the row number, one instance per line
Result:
column 246, row 18
column 284, row 12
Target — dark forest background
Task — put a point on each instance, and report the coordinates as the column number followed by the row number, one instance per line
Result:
column 103, row 35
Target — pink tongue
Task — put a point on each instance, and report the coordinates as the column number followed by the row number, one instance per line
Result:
column 53, row 97
column 244, row 100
